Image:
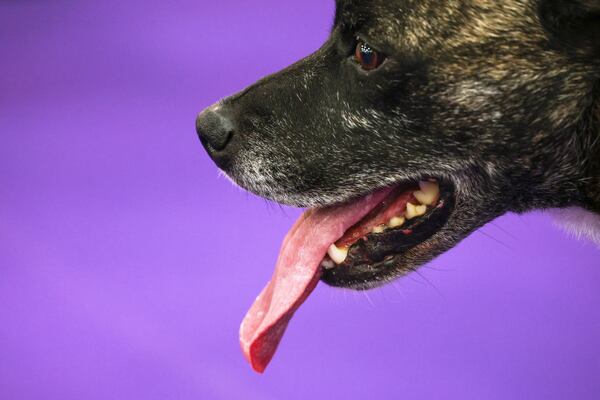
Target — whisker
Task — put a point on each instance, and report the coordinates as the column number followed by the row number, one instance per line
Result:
column 398, row 290
column 438, row 291
column 429, row 267
column 480, row 231
column 369, row 298
column 507, row 232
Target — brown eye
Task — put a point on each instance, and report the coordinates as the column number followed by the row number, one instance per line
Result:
column 368, row 58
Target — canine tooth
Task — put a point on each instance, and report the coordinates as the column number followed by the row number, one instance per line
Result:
column 379, row 229
column 396, row 222
column 337, row 255
column 413, row 211
column 427, row 198
column 430, row 187
column 428, row 194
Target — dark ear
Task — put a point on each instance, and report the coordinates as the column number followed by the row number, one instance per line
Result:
column 573, row 24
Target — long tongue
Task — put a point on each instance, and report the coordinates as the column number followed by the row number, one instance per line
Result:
column 296, row 275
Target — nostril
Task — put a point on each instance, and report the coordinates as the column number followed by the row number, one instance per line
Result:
column 214, row 129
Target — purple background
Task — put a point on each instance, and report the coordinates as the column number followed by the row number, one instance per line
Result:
column 127, row 264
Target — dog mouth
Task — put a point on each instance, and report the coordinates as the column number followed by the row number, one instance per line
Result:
column 369, row 251
column 355, row 244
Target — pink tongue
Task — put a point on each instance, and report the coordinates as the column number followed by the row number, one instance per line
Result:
column 296, row 275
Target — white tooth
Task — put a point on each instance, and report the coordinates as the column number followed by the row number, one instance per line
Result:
column 396, row 222
column 379, row 229
column 421, row 210
column 328, row 264
column 337, row 255
column 427, row 198
column 413, row 211
column 430, row 187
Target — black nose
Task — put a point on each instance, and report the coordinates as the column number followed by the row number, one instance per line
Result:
column 214, row 128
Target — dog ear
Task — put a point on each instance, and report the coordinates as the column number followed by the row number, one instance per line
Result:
column 573, row 24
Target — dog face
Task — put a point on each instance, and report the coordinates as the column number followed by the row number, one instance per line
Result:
column 486, row 97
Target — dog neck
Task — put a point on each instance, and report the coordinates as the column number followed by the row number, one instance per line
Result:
column 584, row 221
column 591, row 189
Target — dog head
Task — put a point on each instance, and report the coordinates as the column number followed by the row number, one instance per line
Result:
column 495, row 100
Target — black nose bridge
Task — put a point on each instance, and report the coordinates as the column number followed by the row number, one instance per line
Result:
column 215, row 128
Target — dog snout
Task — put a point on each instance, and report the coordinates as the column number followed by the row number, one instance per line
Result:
column 215, row 129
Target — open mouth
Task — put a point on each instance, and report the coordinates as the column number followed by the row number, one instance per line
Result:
column 356, row 244
column 370, row 250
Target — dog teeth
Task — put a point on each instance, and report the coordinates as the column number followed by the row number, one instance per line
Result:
column 379, row 229
column 432, row 188
column 428, row 194
column 337, row 255
column 413, row 211
column 396, row 222
column 425, row 198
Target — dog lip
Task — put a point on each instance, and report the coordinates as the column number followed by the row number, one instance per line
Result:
column 374, row 259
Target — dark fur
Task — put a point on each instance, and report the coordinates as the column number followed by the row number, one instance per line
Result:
column 501, row 98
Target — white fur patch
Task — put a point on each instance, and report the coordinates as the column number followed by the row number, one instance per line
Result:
column 579, row 222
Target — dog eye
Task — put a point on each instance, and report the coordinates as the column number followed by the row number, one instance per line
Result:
column 368, row 58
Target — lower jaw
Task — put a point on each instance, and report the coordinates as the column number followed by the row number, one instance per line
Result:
column 377, row 258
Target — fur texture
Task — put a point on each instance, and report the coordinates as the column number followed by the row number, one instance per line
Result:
column 582, row 224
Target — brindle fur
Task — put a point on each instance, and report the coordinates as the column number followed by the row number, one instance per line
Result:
column 501, row 98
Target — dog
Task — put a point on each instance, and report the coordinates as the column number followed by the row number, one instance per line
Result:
column 491, row 105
